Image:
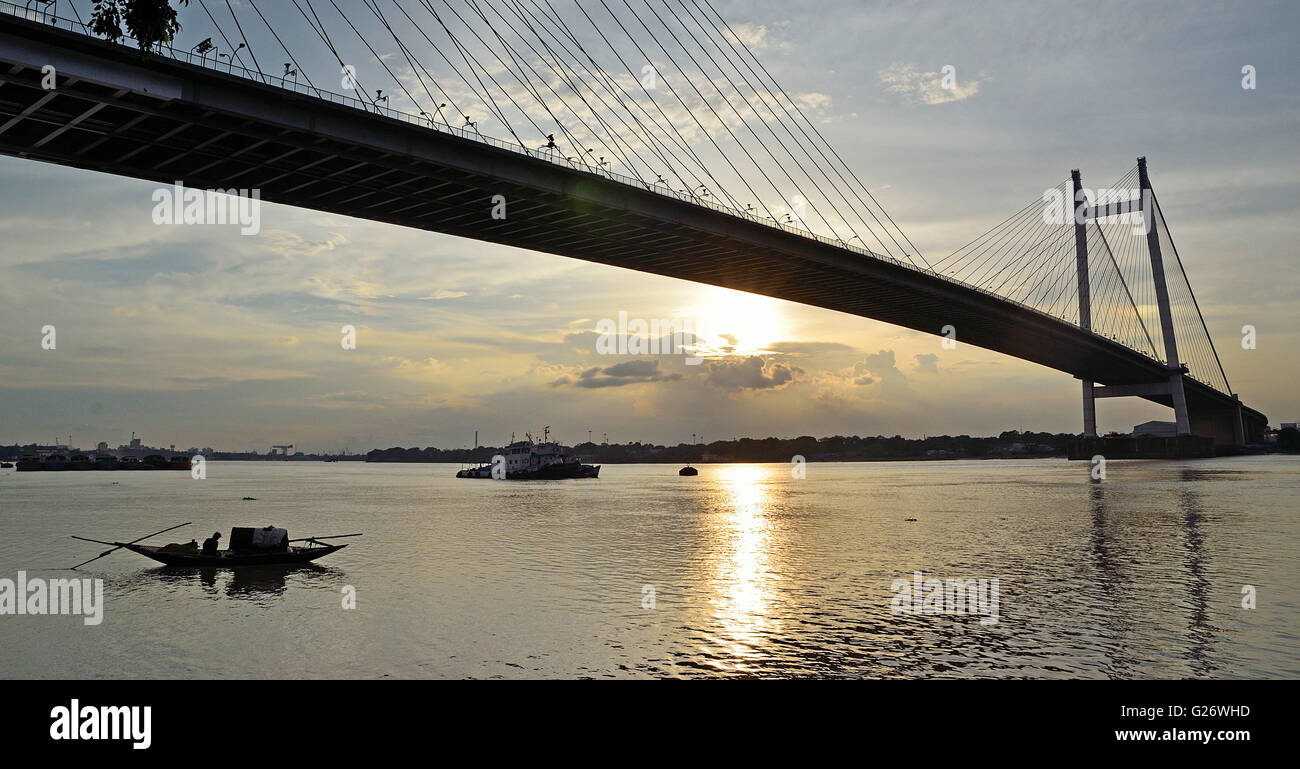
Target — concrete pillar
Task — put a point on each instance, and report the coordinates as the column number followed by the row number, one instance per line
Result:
column 1162, row 301
column 1085, row 294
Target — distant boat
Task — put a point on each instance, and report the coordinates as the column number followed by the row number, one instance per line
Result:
column 688, row 470
column 84, row 462
column 528, row 461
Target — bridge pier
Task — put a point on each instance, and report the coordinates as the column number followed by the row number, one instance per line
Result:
column 1089, row 411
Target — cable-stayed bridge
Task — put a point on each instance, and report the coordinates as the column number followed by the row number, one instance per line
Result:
column 696, row 165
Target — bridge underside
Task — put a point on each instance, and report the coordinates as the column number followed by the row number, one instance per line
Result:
column 162, row 120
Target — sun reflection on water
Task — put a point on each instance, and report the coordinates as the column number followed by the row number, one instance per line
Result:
column 742, row 595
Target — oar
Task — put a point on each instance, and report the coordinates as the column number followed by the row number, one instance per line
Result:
column 328, row 536
column 121, row 545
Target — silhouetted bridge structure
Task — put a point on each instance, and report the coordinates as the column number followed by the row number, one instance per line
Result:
column 1072, row 305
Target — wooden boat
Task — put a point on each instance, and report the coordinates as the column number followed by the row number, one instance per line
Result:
column 226, row 559
column 244, row 550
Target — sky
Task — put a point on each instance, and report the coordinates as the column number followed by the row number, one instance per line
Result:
column 198, row 335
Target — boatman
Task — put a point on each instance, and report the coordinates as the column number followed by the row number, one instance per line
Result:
column 210, row 544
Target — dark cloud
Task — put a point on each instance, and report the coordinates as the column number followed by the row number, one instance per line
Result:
column 752, row 373
column 808, row 348
column 629, row 372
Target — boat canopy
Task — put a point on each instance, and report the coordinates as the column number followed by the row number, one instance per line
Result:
column 249, row 540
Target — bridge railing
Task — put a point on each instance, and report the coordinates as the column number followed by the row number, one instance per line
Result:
column 291, row 83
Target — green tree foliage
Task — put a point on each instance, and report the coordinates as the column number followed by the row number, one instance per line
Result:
column 152, row 23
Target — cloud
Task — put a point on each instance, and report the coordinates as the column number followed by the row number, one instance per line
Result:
column 637, row 371
column 927, row 362
column 882, row 364
column 876, row 367
column 443, row 293
column 808, row 348
column 752, row 373
column 292, row 245
column 754, row 36
column 914, row 87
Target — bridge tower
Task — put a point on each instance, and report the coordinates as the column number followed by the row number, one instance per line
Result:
column 1225, row 426
column 1085, row 295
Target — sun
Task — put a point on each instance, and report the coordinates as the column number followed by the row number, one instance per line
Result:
column 755, row 322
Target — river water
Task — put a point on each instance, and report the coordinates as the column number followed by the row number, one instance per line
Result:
column 743, row 571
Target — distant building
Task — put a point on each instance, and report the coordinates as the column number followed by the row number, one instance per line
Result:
column 1158, row 429
column 1291, row 425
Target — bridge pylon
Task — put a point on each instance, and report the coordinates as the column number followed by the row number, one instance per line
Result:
column 1172, row 386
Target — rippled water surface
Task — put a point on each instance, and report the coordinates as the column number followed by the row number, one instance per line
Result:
column 753, row 572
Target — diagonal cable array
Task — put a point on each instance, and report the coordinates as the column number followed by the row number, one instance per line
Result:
column 664, row 92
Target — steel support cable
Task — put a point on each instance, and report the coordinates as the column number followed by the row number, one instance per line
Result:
column 1042, row 265
column 484, row 98
column 1005, row 255
column 569, row 77
column 615, row 149
column 234, row 52
column 416, row 66
column 943, row 262
column 297, row 67
column 551, row 18
column 523, row 81
column 817, row 133
column 685, row 106
column 990, row 248
column 565, row 77
column 1003, row 258
column 803, row 145
column 378, row 58
column 1014, row 266
column 705, row 101
column 1101, row 284
column 739, row 115
column 1160, row 217
column 1136, row 314
column 761, row 99
column 704, row 167
column 1069, row 277
column 244, row 38
column 473, row 68
column 1033, row 276
column 1139, row 268
column 323, row 34
column 981, row 244
column 764, row 100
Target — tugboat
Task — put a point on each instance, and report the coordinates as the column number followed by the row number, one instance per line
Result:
column 529, row 461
